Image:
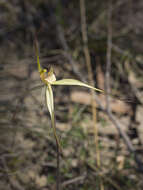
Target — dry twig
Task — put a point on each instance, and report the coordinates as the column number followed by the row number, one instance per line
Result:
column 90, row 74
column 91, row 81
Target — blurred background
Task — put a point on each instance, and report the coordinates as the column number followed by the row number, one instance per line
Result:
column 97, row 42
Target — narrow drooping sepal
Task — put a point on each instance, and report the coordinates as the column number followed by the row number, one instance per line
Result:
column 75, row 83
column 50, row 105
column 49, row 99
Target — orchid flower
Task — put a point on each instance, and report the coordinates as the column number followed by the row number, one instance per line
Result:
column 49, row 80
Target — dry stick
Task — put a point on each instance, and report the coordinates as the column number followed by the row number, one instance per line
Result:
column 90, row 75
column 107, row 86
column 107, row 77
column 66, row 48
column 74, row 180
column 91, row 80
column 108, row 58
column 110, row 115
column 123, row 134
column 102, row 175
column 63, row 42
column 67, row 51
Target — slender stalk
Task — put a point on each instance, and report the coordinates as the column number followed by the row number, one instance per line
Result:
column 91, row 81
column 54, row 132
column 58, row 149
column 58, row 181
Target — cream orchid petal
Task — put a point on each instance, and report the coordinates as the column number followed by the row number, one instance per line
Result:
column 74, row 82
column 49, row 99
